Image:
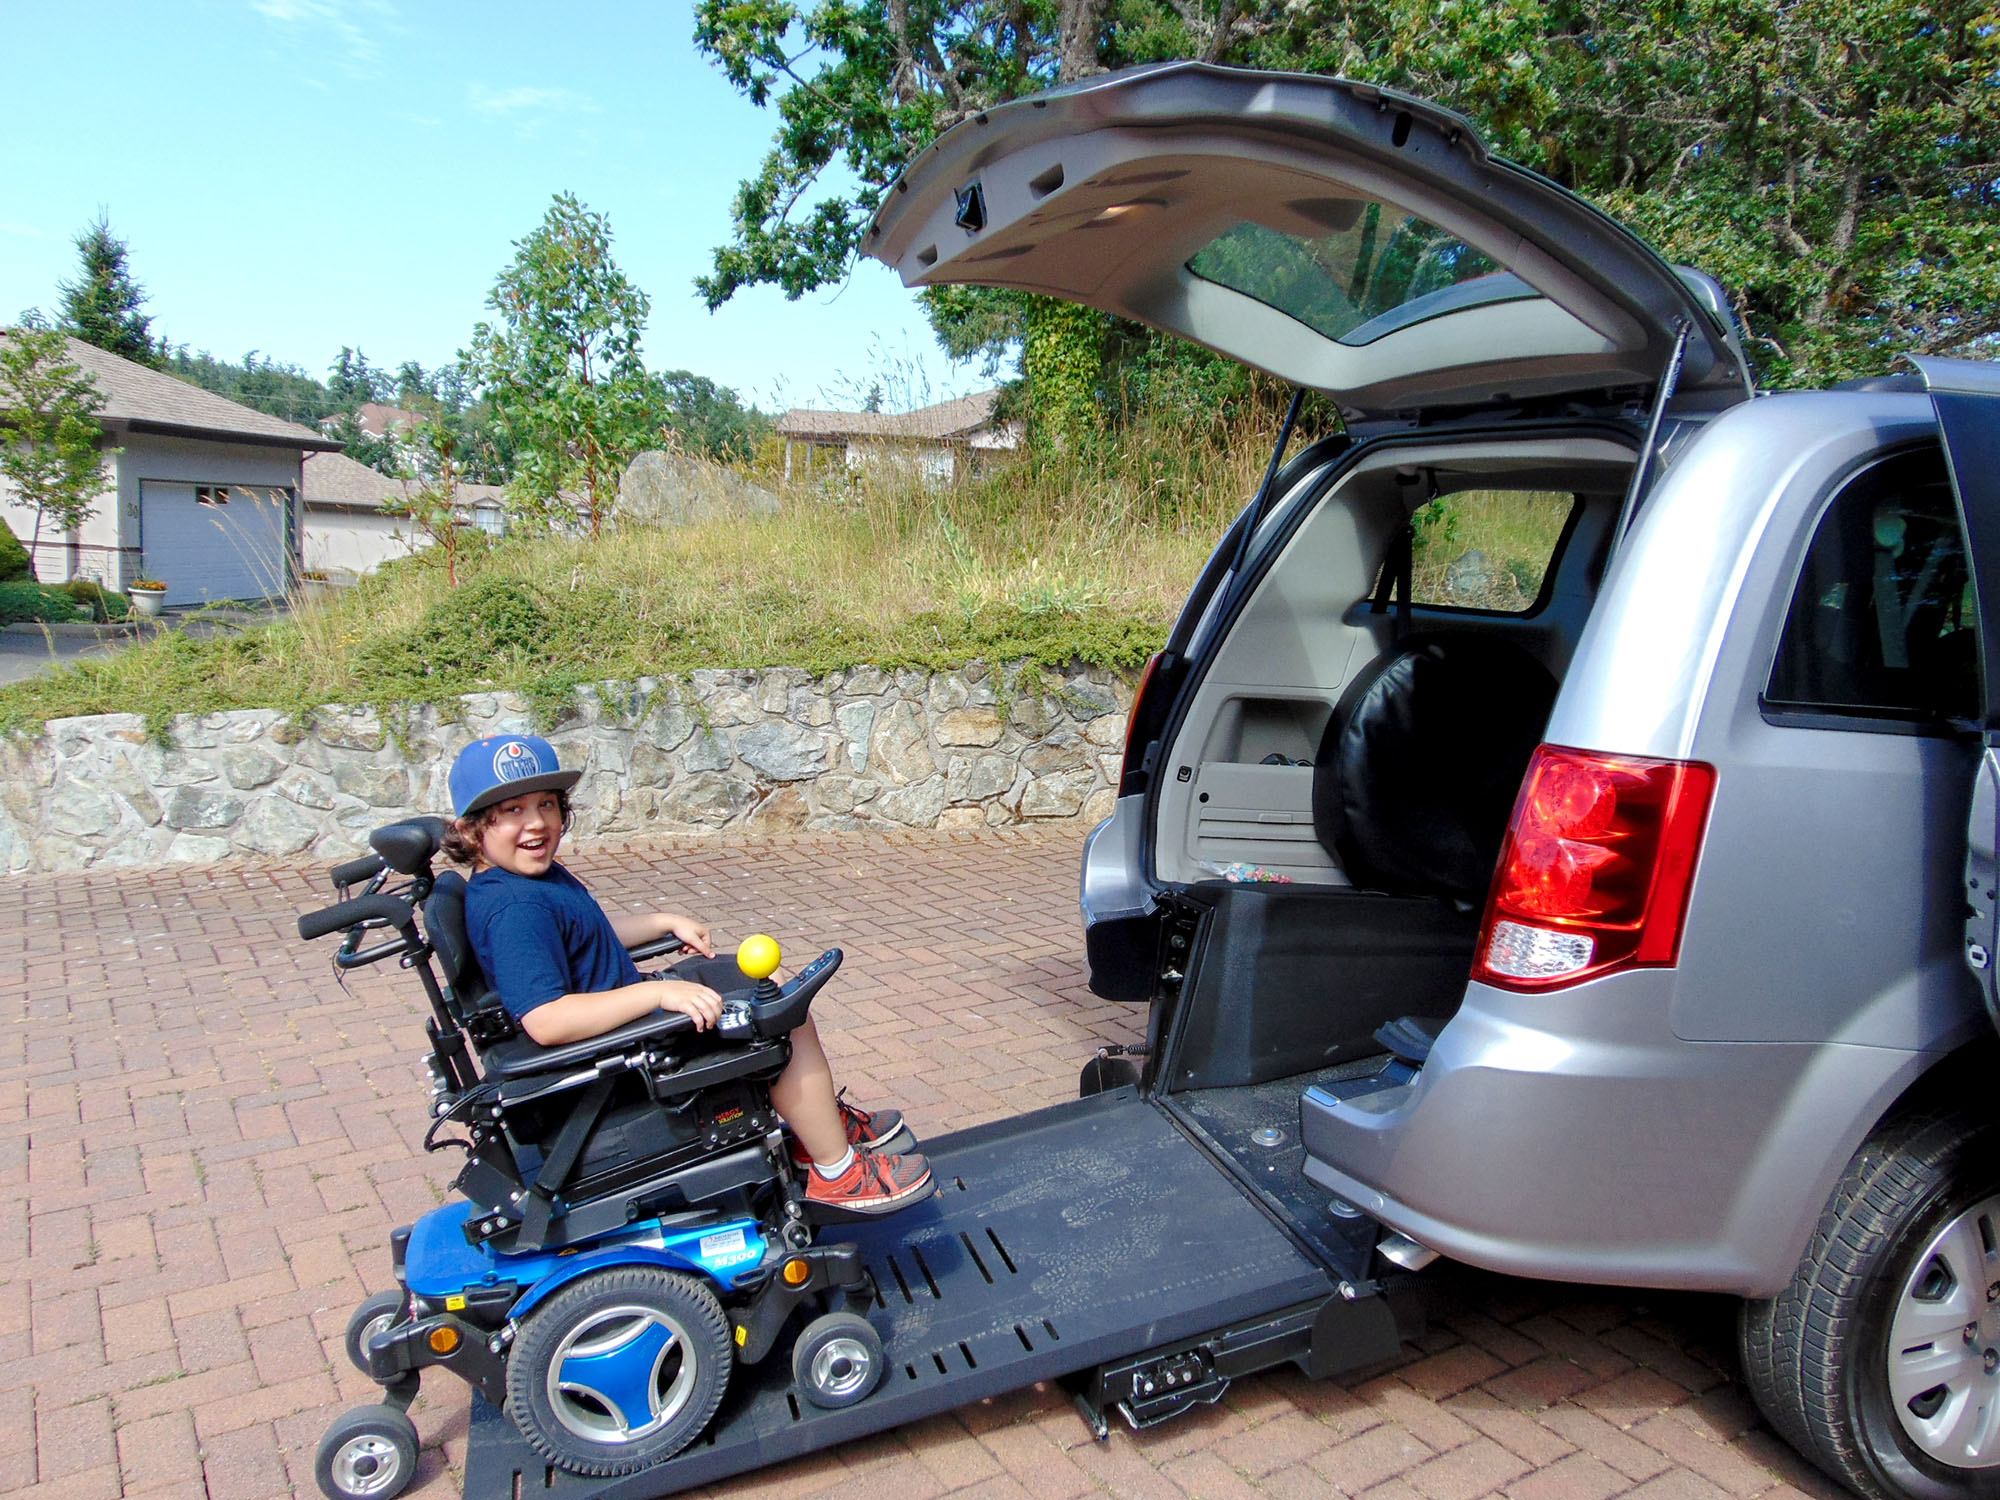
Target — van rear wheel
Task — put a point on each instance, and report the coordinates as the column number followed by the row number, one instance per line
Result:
column 1881, row 1361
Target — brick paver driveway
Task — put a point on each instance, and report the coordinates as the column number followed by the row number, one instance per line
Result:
column 207, row 1141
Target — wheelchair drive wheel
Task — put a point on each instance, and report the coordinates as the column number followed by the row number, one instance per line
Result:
column 369, row 1453
column 378, row 1314
column 837, row 1360
column 620, row 1369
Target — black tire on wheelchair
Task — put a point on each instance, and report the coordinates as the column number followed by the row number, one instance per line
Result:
column 376, row 1315
column 620, row 1369
column 838, row 1360
column 369, row 1453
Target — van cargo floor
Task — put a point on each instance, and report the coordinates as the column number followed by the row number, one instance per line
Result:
column 1057, row 1240
column 1256, row 1128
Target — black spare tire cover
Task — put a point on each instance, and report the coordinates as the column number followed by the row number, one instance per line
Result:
column 1421, row 763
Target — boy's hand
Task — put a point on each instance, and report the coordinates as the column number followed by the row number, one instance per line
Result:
column 696, row 1001
column 692, row 933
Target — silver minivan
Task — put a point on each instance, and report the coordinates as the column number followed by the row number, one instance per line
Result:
column 1564, row 794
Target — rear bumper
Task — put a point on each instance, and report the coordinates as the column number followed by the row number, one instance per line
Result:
column 1121, row 920
column 1597, row 1146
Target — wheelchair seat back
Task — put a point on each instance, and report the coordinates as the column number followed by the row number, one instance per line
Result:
column 474, row 1004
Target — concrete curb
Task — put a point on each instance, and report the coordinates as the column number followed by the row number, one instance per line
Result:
column 111, row 631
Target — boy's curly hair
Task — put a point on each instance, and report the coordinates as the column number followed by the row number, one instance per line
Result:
column 463, row 836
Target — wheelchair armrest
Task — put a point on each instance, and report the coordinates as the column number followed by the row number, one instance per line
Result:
column 658, row 948
column 520, row 1057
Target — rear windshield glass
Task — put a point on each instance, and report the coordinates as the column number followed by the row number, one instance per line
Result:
column 1359, row 279
column 1487, row 549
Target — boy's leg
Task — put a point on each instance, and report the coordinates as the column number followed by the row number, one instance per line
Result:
column 803, row 1094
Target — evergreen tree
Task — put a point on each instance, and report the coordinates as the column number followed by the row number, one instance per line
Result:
column 102, row 305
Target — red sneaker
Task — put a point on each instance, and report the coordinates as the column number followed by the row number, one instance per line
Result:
column 872, row 1184
column 867, row 1130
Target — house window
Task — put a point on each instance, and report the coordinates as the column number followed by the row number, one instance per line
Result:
column 211, row 494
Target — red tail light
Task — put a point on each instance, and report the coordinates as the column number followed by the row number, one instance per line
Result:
column 1595, row 871
column 1132, row 720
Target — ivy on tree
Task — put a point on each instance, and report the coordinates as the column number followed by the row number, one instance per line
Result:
column 50, row 436
column 102, row 305
column 560, row 368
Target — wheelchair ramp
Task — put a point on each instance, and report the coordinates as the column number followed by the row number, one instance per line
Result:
column 1057, row 1240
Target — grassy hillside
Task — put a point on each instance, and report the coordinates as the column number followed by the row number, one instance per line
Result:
column 1084, row 560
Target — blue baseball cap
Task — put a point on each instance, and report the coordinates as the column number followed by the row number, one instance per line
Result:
column 503, row 766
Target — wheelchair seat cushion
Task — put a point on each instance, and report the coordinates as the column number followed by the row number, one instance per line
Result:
column 1421, row 763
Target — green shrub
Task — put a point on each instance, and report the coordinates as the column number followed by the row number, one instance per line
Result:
column 97, row 602
column 15, row 563
column 471, row 634
column 32, row 601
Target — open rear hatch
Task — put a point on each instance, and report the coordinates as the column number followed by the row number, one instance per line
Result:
column 1337, row 235
column 1059, row 1242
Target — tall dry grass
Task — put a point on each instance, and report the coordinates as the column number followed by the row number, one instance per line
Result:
column 1084, row 556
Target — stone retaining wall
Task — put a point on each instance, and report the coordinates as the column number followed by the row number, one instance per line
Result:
column 776, row 748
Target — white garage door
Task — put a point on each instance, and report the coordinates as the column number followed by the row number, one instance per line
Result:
column 214, row 541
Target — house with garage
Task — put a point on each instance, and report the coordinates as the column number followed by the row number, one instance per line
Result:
column 354, row 521
column 199, row 492
column 940, row 442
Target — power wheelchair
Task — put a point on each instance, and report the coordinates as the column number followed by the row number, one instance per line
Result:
column 627, row 1222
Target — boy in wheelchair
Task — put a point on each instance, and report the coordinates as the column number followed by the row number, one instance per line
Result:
column 561, row 967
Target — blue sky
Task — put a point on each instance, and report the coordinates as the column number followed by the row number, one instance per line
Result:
column 295, row 175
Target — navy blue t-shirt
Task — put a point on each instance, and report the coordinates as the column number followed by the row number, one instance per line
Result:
column 540, row 937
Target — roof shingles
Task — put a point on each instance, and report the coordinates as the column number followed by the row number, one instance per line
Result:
column 137, row 396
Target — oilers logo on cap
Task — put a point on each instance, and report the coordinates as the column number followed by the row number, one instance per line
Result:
column 502, row 766
column 514, row 760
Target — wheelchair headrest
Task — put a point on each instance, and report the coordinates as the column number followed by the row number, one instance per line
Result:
column 1422, row 761
column 409, row 847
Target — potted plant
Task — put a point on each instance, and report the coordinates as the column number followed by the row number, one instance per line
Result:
column 148, row 596
column 315, row 583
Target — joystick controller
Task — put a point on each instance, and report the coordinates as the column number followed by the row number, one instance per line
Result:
column 758, row 957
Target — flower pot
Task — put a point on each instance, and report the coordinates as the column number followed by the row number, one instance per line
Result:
column 147, row 603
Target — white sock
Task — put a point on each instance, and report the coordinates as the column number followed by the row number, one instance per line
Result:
column 829, row 1173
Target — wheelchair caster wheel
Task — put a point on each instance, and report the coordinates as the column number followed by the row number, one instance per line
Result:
column 377, row 1315
column 369, row 1453
column 620, row 1369
column 837, row 1360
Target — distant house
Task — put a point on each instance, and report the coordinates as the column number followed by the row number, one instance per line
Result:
column 202, row 493
column 940, row 442
column 350, row 524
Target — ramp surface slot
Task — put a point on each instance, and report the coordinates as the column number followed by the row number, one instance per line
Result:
column 971, row 1250
column 959, row 1183
column 1005, row 1259
column 929, row 1280
column 911, row 1371
column 938, row 1360
column 1022, row 1334
column 901, row 1285
column 1052, row 1330
column 793, row 1402
column 966, row 1350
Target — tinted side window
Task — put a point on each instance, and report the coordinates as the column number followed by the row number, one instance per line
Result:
column 1882, row 624
column 1487, row 549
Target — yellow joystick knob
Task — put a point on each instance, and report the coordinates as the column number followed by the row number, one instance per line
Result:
column 758, row 956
